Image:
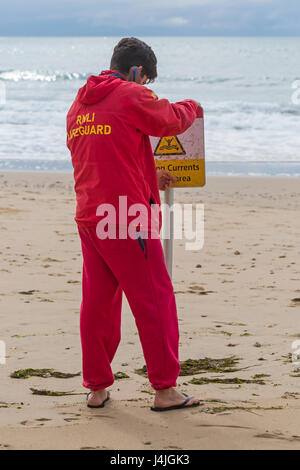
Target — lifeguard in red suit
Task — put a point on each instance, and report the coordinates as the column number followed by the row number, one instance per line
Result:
column 107, row 133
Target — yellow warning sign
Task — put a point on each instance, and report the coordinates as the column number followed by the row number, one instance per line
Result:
column 169, row 146
column 183, row 156
column 189, row 173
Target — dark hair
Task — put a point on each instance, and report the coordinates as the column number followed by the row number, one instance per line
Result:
column 132, row 51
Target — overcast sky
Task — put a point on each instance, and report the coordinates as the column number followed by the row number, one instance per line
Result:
column 152, row 17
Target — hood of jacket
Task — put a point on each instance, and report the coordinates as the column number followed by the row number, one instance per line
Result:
column 98, row 87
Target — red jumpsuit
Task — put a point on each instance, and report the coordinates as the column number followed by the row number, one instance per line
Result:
column 108, row 127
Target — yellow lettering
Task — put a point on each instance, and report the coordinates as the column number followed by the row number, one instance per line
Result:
column 88, row 130
column 78, row 120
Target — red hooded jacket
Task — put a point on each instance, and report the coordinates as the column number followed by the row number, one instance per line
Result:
column 108, row 127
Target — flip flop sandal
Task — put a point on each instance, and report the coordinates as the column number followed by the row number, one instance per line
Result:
column 177, row 407
column 99, row 406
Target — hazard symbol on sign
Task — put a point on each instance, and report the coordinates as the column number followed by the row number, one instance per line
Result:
column 169, row 146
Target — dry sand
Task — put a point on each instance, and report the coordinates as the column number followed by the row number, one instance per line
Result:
column 250, row 302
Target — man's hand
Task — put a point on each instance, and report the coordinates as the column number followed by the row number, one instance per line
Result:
column 199, row 108
column 165, row 179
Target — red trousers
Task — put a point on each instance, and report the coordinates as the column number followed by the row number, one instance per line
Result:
column 109, row 268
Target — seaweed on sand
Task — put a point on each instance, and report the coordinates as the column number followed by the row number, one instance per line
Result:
column 121, row 375
column 192, row 367
column 49, row 393
column 200, row 366
column 223, row 409
column 233, row 381
column 45, row 373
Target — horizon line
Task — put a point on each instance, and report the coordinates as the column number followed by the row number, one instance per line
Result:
column 152, row 35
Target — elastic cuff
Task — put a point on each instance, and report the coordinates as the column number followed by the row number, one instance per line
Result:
column 94, row 388
column 164, row 386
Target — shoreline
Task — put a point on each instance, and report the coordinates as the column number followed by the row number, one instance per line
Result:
column 290, row 169
column 208, row 175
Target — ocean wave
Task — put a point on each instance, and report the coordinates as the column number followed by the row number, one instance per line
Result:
column 248, row 108
column 237, row 81
column 204, row 79
column 33, row 75
column 16, row 75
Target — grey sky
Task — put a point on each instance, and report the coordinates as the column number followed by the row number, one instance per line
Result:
column 153, row 17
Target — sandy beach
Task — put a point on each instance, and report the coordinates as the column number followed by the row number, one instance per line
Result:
column 236, row 297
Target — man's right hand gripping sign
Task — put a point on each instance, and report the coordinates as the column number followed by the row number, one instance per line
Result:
column 108, row 129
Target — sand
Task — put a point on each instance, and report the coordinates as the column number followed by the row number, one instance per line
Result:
column 249, row 266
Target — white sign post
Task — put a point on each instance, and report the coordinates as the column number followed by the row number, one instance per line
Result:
column 168, row 229
column 182, row 156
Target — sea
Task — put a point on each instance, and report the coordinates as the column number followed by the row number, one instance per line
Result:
column 249, row 89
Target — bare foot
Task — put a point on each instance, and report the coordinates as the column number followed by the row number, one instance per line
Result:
column 172, row 397
column 97, row 397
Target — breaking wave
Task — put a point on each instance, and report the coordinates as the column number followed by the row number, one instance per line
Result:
column 33, row 75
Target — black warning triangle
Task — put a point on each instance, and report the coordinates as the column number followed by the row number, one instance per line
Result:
column 169, row 146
